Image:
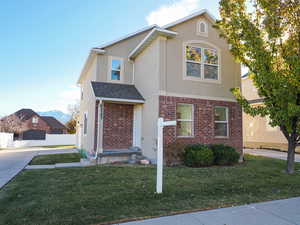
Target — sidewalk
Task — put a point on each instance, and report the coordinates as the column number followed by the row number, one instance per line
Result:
column 13, row 161
column 270, row 154
column 281, row 212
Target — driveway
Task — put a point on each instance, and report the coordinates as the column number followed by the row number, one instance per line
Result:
column 281, row 212
column 270, row 154
column 13, row 161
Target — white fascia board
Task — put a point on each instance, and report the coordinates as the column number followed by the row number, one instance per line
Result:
column 127, row 36
column 143, row 44
column 98, row 51
column 198, row 13
column 120, row 100
column 92, row 53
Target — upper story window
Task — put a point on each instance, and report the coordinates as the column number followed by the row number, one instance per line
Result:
column 201, row 63
column 202, row 28
column 115, row 72
column 35, row 120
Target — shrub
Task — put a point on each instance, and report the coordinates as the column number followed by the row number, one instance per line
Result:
column 197, row 155
column 173, row 154
column 224, row 155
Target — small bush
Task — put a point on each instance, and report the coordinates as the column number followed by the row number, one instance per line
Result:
column 197, row 155
column 224, row 155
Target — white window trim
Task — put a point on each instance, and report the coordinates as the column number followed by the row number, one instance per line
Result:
column 85, row 115
column 110, row 58
column 198, row 29
column 35, row 120
column 184, row 120
column 193, row 43
column 227, row 120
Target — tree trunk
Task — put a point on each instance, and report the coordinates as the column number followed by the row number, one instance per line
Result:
column 291, row 156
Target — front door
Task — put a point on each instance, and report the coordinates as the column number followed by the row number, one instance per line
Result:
column 117, row 126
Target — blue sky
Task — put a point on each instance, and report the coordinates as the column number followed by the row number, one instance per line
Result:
column 44, row 44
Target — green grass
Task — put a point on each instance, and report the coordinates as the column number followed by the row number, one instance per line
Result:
column 57, row 158
column 108, row 193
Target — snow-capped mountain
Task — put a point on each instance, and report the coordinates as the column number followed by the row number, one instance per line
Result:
column 59, row 115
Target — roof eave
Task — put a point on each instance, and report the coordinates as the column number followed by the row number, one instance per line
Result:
column 198, row 13
column 127, row 36
column 120, row 100
column 148, row 39
column 93, row 52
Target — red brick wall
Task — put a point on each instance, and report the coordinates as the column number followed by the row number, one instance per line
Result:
column 117, row 126
column 203, row 121
column 41, row 125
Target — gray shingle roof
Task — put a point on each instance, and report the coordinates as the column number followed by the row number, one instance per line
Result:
column 25, row 114
column 53, row 123
column 118, row 91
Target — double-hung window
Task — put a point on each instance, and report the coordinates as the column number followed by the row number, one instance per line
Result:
column 221, row 121
column 185, row 114
column 201, row 63
column 115, row 72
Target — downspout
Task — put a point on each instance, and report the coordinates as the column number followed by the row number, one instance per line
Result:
column 99, row 118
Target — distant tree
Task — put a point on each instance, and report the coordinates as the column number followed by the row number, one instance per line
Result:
column 71, row 126
column 10, row 124
column 74, row 112
column 264, row 35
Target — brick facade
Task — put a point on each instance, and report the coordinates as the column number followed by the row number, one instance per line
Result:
column 203, row 121
column 117, row 126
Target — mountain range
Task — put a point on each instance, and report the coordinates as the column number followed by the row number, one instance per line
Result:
column 59, row 115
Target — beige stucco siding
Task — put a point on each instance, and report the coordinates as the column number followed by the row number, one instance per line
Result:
column 248, row 89
column 257, row 132
column 122, row 50
column 229, row 70
column 87, row 105
column 147, row 82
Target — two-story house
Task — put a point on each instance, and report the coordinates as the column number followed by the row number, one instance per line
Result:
column 26, row 124
column 258, row 133
column 182, row 71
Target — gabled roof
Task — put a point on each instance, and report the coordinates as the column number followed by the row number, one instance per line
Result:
column 105, row 45
column 155, row 32
column 25, row 114
column 114, row 91
column 101, row 49
column 195, row 14
column 53, row 123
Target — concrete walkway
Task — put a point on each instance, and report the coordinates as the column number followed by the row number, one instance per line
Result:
column 13, row 161
column 270, row 154
column 281, row 212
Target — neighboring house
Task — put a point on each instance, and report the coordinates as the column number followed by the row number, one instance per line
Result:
column 28, row 125
column 258, row 133
column 182, row 71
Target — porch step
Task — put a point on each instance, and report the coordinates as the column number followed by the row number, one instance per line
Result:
column 117, row 152
column 130, row 155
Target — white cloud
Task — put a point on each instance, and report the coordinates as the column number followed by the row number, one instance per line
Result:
column 70, row 96
column 173, row 11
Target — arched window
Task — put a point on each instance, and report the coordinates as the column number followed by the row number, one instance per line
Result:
column 202, row 28
column 201, row 62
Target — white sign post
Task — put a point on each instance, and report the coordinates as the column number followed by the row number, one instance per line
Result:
column 159, row 176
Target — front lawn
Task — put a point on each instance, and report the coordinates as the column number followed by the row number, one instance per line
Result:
column 55, row 158
column 108, row 193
